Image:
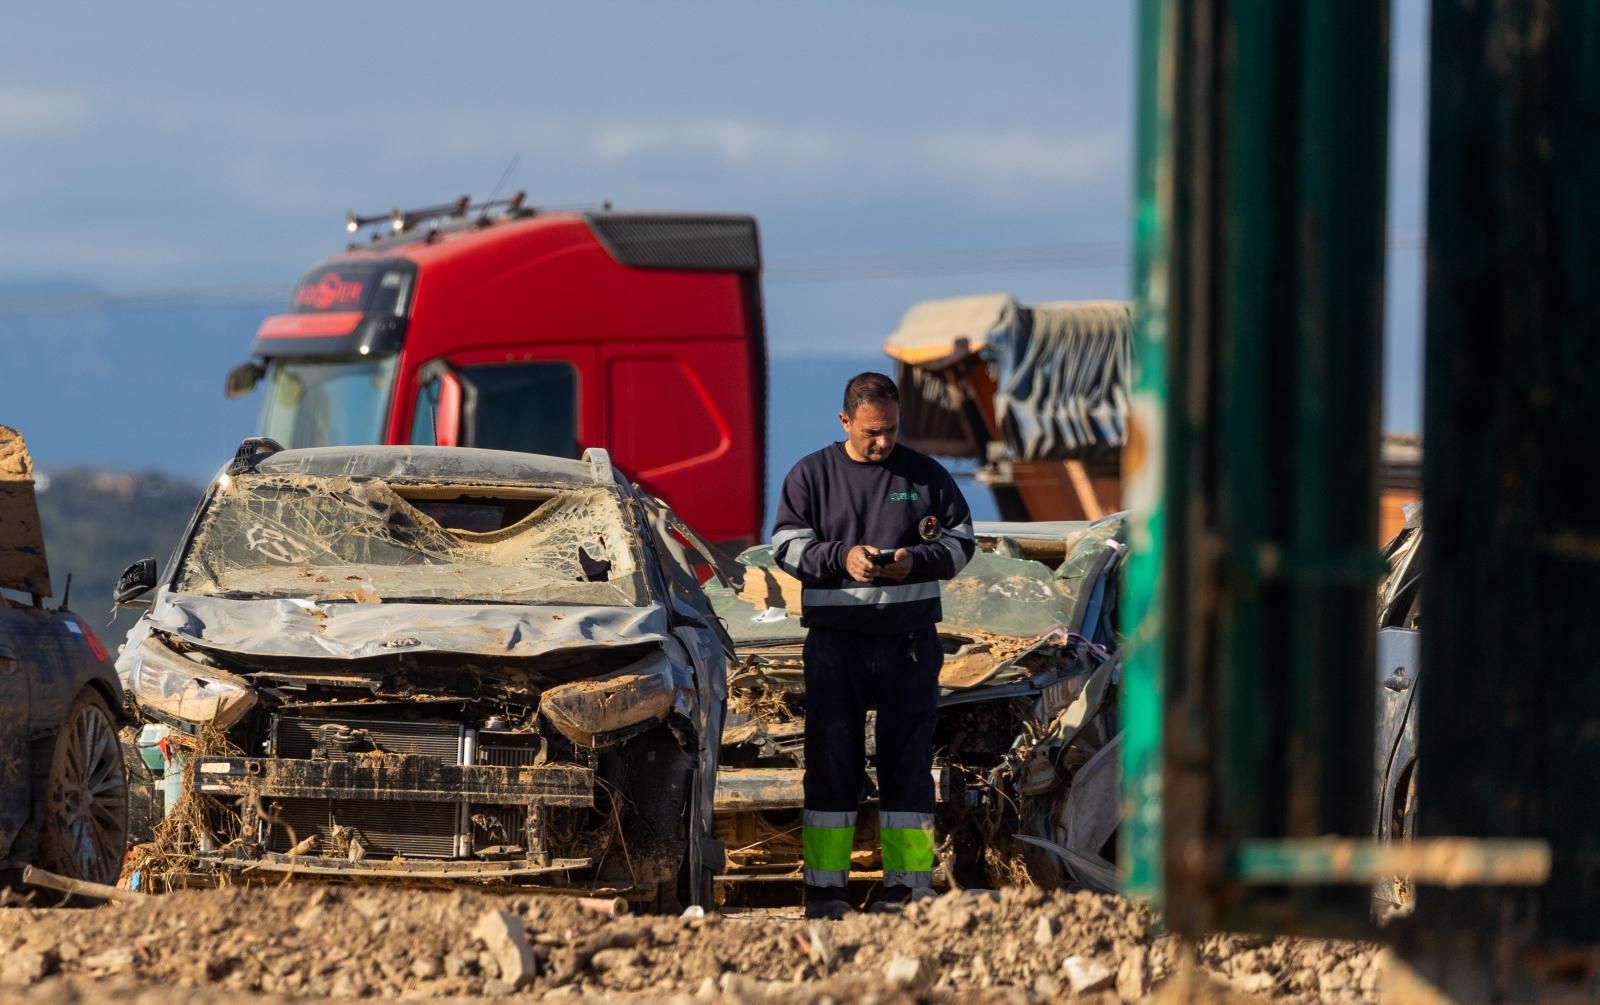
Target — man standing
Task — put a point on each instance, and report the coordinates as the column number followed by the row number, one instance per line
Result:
column 869, row 528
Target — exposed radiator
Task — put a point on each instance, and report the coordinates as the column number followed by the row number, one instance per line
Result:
column 385, row 827
column 401, row 827
column 300, row 737
column 507, row 750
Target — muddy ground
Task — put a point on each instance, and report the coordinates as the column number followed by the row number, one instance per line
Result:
column 304, row 940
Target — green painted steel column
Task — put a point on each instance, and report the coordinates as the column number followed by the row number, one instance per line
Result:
column 1261, row 224
column 1510, row 706
column 1143, row 465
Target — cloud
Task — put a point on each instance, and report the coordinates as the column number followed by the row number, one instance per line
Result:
column 730, row 141
column 1007, row 158
column 974, row 161
column 258, row 156
column 26, row 114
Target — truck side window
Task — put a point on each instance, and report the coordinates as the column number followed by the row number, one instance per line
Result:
column 532, row 407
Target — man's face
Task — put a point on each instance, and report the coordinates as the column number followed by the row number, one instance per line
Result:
column 870, row 433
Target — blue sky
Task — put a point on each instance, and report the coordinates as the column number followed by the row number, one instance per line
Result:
column 202, row 146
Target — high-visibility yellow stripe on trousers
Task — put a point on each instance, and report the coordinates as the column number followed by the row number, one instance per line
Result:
column 826, row 839
column 907, row 840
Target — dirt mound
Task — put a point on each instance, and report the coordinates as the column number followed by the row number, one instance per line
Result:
column 1019, row 945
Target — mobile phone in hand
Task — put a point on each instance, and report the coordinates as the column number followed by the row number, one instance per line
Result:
column 881, row 557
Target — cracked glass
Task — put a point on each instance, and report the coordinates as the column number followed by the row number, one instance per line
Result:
column 365, row 540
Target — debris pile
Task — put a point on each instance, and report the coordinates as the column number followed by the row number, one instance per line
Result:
column 1019, row 945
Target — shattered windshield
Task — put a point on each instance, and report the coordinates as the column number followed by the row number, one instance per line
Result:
column 327, row 403
column 367, row 540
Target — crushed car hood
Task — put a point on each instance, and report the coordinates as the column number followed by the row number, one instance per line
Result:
column 341, row 630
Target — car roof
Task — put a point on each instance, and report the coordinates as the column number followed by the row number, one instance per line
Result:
column 451, row 464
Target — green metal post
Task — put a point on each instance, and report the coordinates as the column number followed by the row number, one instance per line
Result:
column 1261, row 219
column 1510, row 706
column 1143, row 466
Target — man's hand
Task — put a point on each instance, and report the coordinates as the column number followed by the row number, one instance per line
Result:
column 859, row 566
column 897, row 570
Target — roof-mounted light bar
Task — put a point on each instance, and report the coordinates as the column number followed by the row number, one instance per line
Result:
column 403, row 220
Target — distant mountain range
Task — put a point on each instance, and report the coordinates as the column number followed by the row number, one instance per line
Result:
column 97, row 523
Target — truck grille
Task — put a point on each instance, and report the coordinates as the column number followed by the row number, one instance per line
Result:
column 299, row 738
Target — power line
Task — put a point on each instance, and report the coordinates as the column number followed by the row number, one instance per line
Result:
column 1066, row 256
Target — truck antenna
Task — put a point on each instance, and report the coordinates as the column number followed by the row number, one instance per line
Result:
column 505, row 176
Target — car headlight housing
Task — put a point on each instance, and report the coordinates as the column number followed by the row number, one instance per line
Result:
column 182, row 689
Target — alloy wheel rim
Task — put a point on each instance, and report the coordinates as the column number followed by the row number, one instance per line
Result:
column 94, row 796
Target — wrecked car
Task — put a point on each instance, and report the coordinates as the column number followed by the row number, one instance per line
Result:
column 1026, row 746
column 430, row 663
column 1399, row 683
column 63, row 793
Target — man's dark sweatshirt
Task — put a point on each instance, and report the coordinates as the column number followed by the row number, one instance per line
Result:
column 831, row 503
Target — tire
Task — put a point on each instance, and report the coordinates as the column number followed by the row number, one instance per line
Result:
column 85, row 826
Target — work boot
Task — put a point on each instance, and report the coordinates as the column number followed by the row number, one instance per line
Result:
column 893, row 899
column 829, row 910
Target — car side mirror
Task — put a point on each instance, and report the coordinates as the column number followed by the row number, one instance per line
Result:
column 243, row 378
column 136, row 580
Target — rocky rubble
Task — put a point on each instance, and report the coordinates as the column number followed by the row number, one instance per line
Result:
column 1020, row 945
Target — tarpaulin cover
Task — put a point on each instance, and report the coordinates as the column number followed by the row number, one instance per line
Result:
column 937, row 330
column 1063, row 372
column 1064, row 380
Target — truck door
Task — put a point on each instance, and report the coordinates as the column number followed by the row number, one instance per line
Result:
column 15, row 677
column 537, row 401
column 680, row 420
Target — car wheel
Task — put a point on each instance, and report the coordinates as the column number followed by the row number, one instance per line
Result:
column 86, row 798
column 673, row 895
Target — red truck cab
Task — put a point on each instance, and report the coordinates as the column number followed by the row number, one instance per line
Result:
column 546, row 332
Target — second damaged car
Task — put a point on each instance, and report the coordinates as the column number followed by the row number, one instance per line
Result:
column 436, row 663
column 1026, row 743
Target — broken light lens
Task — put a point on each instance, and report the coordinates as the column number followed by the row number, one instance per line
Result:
column 167, row 683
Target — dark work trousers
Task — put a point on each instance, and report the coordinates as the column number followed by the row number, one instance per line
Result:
column 846, row 674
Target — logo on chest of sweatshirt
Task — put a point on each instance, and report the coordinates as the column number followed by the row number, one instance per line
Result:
column 903, row 496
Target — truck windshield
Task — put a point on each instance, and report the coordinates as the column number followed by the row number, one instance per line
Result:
column 327, row 403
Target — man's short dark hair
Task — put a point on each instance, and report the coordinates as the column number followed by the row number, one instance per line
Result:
column 869, row 389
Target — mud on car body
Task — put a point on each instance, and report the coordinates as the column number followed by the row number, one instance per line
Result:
column 63, row 794
column 1027, row 737
column 440, row 663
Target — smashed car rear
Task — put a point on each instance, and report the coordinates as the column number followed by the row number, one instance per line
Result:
column 425, row 663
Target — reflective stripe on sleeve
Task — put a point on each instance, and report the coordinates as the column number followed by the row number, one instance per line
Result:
column 958, row 554
column 789, row 545
column 951, row 538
